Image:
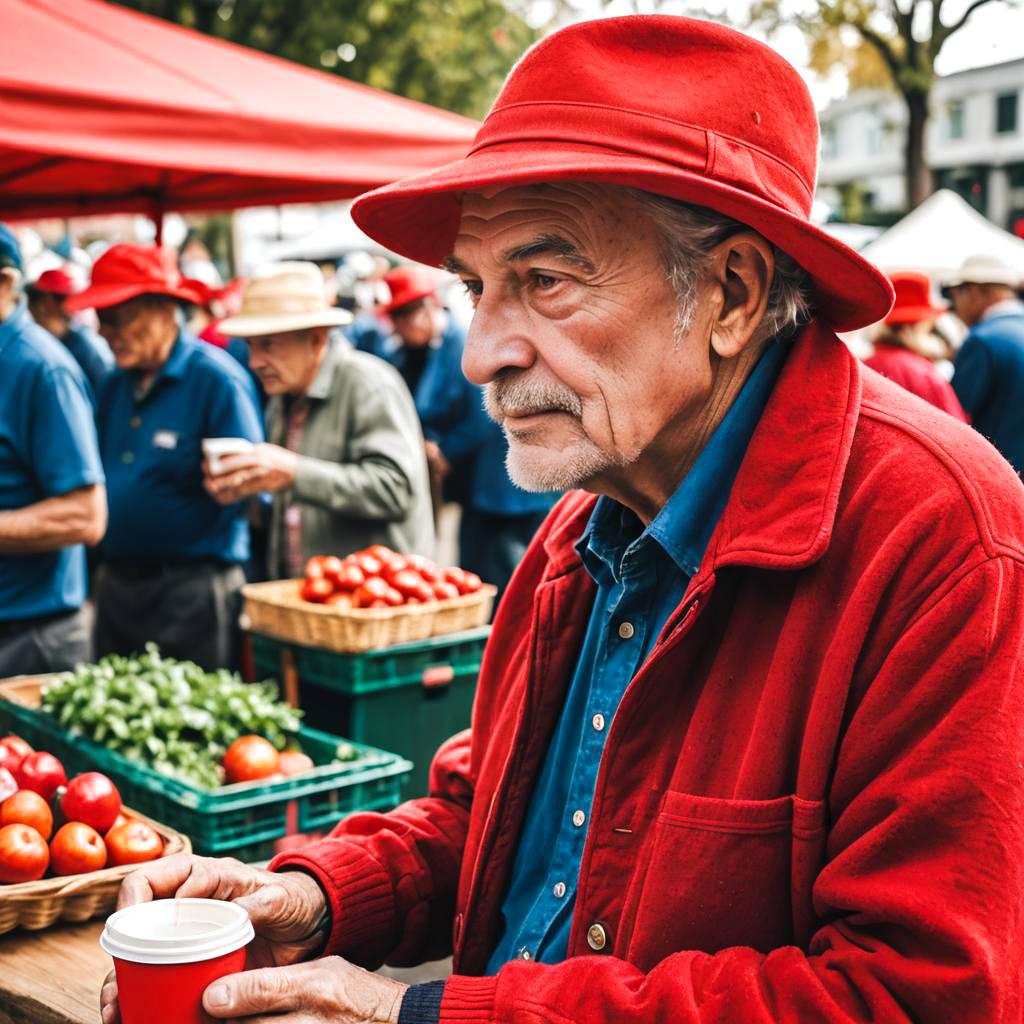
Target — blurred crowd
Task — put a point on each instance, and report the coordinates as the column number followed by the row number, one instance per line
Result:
column 166, row 437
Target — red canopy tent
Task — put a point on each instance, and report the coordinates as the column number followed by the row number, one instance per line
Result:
column 103, row 110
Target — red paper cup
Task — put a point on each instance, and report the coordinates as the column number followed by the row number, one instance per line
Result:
column 167, row 952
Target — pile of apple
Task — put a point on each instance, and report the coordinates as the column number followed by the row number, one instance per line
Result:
column 378, row 577
column 48, row 824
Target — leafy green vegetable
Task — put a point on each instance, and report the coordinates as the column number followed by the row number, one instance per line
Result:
column 171, row 715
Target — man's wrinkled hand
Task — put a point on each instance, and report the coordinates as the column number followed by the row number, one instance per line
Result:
column 288, row 909
column 264, row 467
column 327, row 991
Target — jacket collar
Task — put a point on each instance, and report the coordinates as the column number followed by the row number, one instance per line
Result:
column 782, row 507
column 337, row 348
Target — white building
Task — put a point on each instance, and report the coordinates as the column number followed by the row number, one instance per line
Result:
column 975, row 143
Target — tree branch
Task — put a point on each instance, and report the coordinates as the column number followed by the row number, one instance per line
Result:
column 885, row 50
column 945, row 31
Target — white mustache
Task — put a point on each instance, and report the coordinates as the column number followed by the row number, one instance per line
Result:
column 522, row 397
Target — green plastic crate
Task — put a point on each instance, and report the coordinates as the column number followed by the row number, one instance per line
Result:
column 408, row 698
column 237, row 819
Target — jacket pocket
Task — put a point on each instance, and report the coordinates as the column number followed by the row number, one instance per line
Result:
column 724, row 873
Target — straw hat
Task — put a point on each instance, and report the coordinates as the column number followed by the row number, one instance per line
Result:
column 284, row 297
column 675, row 106
column 981, row 269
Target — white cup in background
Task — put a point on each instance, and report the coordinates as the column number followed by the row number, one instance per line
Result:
column 215, row 448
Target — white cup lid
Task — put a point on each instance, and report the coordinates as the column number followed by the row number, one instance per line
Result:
column 226, row 445
column 176, row 931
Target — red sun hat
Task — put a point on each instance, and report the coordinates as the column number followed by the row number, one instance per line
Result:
column 54, row 282
column 675, row 106
column 913, row 299
column 127, row 270
column 407, row 284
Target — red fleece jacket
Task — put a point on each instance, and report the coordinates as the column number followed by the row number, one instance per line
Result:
column 811, row 802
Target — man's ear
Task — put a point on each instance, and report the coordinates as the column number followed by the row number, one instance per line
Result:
column 741, row 269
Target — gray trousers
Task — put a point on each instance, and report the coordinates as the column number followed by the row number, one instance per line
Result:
column 47, row 645
column 189, row 610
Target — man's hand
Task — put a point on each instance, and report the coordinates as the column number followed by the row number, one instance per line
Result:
column 327, row 991
column 436, row 460
column 288, row 909
column 265, row 467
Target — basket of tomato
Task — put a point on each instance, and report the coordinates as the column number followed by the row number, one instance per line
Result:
column 373, row 598
column 65, row 846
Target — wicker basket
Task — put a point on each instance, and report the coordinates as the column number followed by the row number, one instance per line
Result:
column 277, row 610
column 39, row 904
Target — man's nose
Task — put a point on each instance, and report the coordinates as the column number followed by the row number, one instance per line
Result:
column 497, row 340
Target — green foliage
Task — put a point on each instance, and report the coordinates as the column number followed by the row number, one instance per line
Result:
column 449, row 53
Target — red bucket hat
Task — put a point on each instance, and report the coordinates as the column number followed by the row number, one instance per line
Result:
column 407, row 284
column 676, row 106
column 127, row 270
column 913, row 299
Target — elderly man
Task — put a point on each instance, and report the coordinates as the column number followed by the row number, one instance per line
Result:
column 46, row 298
column 746, row 744
column 345, row 462
column 989, row 371
column 52, row 498
column 172, row 557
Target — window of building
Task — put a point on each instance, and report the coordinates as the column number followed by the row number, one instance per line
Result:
column 955, row 119
column 829, row 141
column 1006, row 113
column 876, row 132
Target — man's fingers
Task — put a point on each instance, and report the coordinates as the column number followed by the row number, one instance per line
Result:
column 266, row 990
column 183, row 874
column 156, row 881
column 109, row 1010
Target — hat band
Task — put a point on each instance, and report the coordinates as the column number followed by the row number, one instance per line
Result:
column 635, row 133
column 274, row 305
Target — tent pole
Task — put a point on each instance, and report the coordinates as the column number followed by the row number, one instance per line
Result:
column 158, row 223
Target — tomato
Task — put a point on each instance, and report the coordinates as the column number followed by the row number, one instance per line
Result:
column 77, row 848
column 24, row 855
column 331, row 566
column 250, row 758
column 27, row 808
column 292, row 762
column 472, row 583
column 406, row 581
column 370, row 565
column 342, row 599
column 350, row 577
column 381, row 551
column 374, row 589
column 121, row 819
column 133, row 843
column 445, row 591
column 317, row 590
column 393, row 598
column 453, row 574
column 17, row 746
column 8, row 784
column 425, row 567
column 315, row 568
column 41, row 772
column 92, row 798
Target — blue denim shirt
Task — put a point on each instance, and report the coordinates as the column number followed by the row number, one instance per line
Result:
column 641, row 575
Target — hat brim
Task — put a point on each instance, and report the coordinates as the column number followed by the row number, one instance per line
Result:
column 412, row 296
column 104, row 295
column 242, row 326
column 914, row 314
column 418, row 217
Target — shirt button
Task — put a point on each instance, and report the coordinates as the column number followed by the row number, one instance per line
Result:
column 559, row 890
column 128, row 458
column 136, row 422
column 626, row 630
column 578, row 817
column 524, row 954
column 597, row 937
column 598, row 721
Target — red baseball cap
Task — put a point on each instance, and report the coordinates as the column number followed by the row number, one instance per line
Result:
column 913, row 299
column 675, row 106
column 127, row 270
column 407, row 284
column 55, row 282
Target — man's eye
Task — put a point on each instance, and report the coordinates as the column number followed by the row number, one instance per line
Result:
column 474, row 289
column 544, row 281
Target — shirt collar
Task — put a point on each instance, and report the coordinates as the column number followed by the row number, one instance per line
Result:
column 685, row 524
column 337, row 346
column 15, row 324
column 1005, row 307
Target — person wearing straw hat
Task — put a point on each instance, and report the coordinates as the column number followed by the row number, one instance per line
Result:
column 52, row 496
column 746, row 744
column 988, row 374
column 902, row 341
column 172, row 557
column 46, row 296
column 345, row 460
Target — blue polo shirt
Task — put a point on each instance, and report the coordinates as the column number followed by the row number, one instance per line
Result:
column 91, row 353
column 641, row 576
column 47, row 448
column 159, row 510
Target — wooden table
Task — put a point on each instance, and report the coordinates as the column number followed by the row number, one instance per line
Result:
column 52, row 976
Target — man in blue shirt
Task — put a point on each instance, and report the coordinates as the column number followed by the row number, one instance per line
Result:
column 46, row 297
column 989, row 370
column 172, row 556
column 52, row 499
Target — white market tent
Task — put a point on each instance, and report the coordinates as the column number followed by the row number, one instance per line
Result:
column 939, row 235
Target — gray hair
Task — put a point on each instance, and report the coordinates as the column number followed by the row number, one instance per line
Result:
column 688, row 235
